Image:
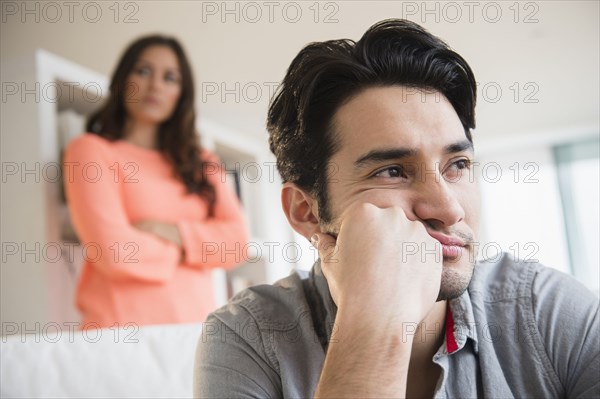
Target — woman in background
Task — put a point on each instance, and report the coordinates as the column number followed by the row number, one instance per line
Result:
column 148, row 203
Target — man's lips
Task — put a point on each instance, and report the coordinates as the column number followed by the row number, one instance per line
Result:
column 452, row 247
column 446, row 240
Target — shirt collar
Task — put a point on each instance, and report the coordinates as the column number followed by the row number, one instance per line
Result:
column 460, row 324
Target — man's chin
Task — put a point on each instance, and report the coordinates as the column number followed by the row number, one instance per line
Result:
column 456, row 277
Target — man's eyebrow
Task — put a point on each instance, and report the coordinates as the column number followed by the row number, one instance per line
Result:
column 384, row 155
column 399, row 153
column 460, row 146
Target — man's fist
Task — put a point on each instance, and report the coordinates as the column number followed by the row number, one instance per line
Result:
column 383, row 268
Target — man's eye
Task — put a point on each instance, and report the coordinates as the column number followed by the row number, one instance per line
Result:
column 462, row 164
column 391, row 172
column 455, row 170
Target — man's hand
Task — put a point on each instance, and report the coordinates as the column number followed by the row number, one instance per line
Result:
column 381, row 281
column 372, row 268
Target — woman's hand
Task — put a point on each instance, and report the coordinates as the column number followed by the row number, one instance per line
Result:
column 166, row 231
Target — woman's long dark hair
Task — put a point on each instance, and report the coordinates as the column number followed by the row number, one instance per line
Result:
column 177, row 138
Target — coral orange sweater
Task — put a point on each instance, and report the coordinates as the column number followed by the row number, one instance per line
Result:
column 131, row 276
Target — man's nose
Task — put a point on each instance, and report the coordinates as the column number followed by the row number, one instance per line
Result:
column 436, row 201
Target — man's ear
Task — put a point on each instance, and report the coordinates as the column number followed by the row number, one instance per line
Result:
column 301, row 210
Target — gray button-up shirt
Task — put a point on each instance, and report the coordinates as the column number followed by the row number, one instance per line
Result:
column 520, row 330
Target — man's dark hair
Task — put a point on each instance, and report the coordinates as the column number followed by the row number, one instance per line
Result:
column 325, row 75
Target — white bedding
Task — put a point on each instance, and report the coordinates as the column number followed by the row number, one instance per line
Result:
column 149, row 362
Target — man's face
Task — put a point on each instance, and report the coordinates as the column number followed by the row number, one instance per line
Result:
column 404, row 147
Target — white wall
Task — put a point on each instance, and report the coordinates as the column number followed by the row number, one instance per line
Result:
column 544, row 60
column 23, row 276
column 554, row 45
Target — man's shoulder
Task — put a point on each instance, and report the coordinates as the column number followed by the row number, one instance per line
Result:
column 501, row 278
column 278, row 306
column 525, row 313
column 508, row 278
column 262, row 343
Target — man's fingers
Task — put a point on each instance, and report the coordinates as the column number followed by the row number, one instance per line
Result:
column 325, row 244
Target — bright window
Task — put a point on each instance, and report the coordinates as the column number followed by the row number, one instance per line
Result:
column 544, row 206
column 578, row 179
